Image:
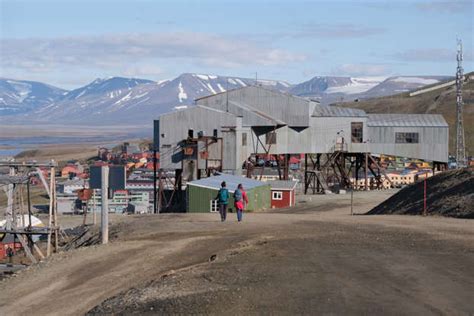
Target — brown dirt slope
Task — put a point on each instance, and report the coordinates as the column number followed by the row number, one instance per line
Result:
column 441, row 101
column 448, row 194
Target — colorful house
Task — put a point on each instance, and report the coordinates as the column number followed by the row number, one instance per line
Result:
column 282, row 193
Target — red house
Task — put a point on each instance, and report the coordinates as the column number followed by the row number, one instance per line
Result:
column 9, row 242
column 283, row 193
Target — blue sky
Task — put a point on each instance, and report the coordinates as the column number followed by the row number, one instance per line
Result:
column 70, row 43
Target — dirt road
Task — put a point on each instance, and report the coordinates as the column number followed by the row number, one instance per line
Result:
column 315, row 258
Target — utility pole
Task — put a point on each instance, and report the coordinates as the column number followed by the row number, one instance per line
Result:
column 460, row 146
column 104, row 225
column 155, row 207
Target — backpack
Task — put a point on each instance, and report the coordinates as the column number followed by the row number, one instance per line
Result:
column 223, row 195
column 237, row 195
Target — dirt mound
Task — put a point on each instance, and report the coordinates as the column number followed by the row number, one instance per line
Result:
column 449, row 194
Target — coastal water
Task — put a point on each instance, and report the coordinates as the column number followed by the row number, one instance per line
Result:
column 13, row 146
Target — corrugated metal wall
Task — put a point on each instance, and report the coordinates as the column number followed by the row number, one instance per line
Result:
column 432, row 146
column 267, row 101
column 174, row 129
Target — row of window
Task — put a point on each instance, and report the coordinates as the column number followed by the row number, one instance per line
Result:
column 356, row 136
column 406, row 138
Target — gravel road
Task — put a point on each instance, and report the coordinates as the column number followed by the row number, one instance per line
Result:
column 312, row 259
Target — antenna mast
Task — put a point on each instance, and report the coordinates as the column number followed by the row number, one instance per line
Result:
column 460, row 147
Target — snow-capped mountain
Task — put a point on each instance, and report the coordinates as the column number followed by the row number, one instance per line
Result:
column 126, row 100
column 330, row 89
column 101, row 86
column 399, row 84
column 19, row 96
column 133, row 100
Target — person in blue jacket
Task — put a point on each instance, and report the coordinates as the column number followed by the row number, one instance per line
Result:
column 223, row 198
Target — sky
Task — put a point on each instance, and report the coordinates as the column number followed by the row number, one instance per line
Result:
column 69, row 43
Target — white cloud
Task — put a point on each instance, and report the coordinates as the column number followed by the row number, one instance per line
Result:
column 337, row 31
column 113, row 51
column 432, row 55
column 451, row 6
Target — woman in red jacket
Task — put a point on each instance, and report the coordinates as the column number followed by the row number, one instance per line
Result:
column 241, row 201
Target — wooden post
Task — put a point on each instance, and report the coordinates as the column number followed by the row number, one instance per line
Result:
column 155, row 209
column 366, row 167
column 50, row 211
column 94, row 218
column 160, row 191
column 104, row 224
column 55, row 214
column 30, row 241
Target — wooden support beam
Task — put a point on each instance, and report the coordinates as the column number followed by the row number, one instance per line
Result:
column 366, row 170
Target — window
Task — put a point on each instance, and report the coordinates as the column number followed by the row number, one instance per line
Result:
column 356, row 132
column 214, row 206
column 277, row 195
column 270, row 138
column 244, row 139
column 406, row 138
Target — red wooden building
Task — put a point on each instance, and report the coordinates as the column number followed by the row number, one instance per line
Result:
column 283, row 193
column 9, row 242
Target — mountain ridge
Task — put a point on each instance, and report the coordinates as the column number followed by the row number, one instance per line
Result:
column 119, row 100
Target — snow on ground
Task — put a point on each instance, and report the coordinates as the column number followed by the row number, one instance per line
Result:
column 357, row 85
column 181, row 95
column 220, row 87
column 211, row 88
column 424, row 81
column 232, row 81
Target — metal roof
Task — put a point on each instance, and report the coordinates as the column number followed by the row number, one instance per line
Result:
column 231, row 182
column 407, row 120
column 266, row 118
column 335, row 111
column 282, row 185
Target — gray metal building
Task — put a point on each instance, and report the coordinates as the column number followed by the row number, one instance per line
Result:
column 254, row 120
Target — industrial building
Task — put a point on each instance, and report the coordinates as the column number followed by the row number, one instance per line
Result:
column 226, row 129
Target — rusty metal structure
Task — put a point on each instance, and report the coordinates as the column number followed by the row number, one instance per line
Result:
column 338, row 143
column 17, row 212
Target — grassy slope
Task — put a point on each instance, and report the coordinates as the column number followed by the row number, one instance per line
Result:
column 442, row 101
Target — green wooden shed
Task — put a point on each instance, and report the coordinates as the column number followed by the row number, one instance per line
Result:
column 202, row 193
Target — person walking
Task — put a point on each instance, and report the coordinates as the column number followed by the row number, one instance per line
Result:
column 223, row 199
column 240, row 201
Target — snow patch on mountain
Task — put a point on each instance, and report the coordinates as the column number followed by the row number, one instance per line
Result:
column 180, row 107
column 240, row 82
column 181, row 95
column 220, row 87
column 418, row 80
column 211, row 88
column 356, row 85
